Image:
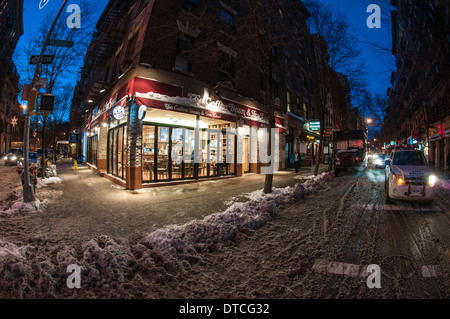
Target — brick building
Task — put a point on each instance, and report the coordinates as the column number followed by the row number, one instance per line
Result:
column 157, row 71
column 11, row 28
column 420, row 92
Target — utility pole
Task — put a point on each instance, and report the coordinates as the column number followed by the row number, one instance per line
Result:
column 28, row 193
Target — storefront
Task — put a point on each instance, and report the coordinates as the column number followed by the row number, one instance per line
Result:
column 295, row 126
column 139, row 139
column 167, row 134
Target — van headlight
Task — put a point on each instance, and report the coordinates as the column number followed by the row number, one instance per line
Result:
column 14, row 158
column 432, row 180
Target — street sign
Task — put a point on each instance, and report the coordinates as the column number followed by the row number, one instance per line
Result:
column 46, row 59
column 61, row 43
column 41, row 82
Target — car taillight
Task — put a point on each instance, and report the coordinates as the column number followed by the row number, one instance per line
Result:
column 357, row 159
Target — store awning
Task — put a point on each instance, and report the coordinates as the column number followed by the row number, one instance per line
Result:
column 296, row 121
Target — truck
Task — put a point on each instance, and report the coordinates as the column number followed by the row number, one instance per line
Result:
column 349, row 150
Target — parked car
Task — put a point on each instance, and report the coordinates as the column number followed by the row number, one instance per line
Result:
column 32, row 159
column 13, row 156
column 48, row 153
column 409, row 177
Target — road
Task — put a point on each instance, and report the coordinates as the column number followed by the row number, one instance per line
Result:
column 321, row 247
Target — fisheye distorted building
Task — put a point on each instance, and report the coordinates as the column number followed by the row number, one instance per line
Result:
column 157, row 70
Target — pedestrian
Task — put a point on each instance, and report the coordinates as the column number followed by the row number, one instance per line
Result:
column 296, row 160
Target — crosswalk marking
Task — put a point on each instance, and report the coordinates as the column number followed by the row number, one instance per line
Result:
column 381, row 207
column 351, row 270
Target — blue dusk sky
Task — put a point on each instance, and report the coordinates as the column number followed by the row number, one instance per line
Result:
column 377, row 68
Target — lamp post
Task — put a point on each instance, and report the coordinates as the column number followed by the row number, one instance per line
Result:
column 28, row 193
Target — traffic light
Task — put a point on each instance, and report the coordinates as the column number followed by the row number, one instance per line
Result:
column 442, row 130
column 32, row 100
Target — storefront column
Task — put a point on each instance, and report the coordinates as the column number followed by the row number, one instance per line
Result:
column 254, row 167
column 102, row 149
column 134, row 148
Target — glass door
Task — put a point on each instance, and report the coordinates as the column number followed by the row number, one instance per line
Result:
column 148, row 153
column 189, row 167
column 163, row 152
column 177, row 146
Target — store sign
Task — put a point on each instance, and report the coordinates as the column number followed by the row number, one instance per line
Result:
column 142, row 111
column 314, row 126
column 415, row 135
column 208, row 105
column 119, row 113
column 73, row 138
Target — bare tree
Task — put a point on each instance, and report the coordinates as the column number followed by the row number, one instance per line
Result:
column 66, row 59
column 336, row 51
column 253, row 41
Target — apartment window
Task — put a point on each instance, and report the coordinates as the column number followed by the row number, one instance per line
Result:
column 226, row 68
column 190, row 6
column 182, row 61
column 288, row 101
column 131, row 48
column 305, row 111
column 276, row 89
column 226, row 19
column 274, row 56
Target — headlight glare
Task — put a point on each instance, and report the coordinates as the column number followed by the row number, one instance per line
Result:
column 432, row 180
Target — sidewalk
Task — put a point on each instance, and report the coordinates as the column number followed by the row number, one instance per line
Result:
column 92, row 205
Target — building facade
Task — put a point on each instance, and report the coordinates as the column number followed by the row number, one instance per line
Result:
column 11, row 28
column 419, row 107
column 152, row 85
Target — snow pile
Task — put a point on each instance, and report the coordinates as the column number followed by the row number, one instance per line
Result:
column 43, row 198
column 21, row 207
column 47, row 181
column 115, row 269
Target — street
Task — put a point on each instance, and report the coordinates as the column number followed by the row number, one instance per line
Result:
column 319, row 247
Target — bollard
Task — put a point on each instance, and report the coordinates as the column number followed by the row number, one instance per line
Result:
column 75, row 165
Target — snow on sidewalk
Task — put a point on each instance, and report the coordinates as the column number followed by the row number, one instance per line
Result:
column 43, row 198
column 115, row 269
